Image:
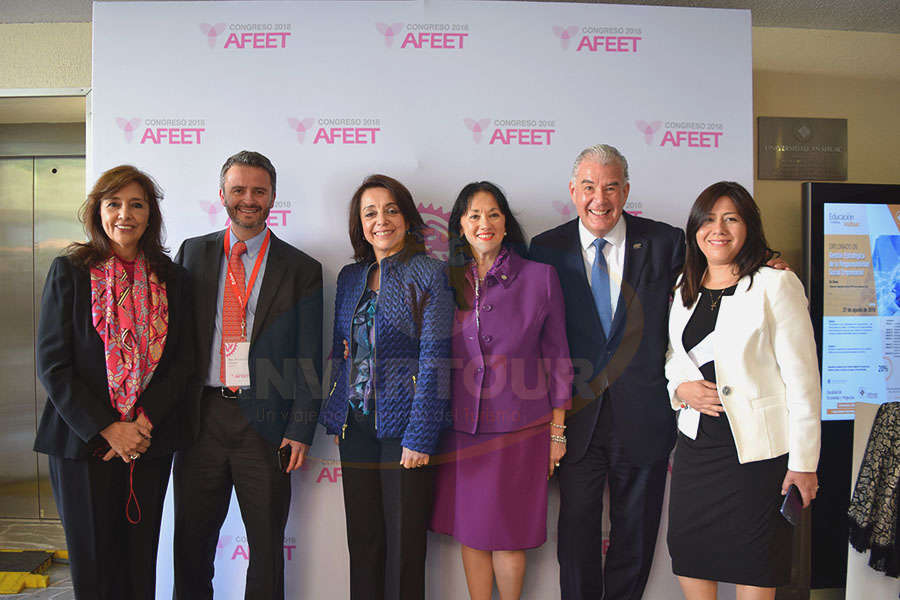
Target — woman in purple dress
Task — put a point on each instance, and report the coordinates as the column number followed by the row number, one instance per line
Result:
column 511, row 386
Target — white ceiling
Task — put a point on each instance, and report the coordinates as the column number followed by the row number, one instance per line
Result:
column 849, row 15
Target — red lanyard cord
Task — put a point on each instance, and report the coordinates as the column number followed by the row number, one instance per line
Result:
column 131, row 495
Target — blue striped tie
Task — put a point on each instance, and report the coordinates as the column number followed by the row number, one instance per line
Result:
column 600, row 286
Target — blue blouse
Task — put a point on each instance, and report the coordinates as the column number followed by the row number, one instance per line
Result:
column 362, row 391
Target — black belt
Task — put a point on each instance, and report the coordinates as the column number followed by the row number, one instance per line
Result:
column 224, row 392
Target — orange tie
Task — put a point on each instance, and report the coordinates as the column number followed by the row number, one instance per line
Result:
column 231, row 306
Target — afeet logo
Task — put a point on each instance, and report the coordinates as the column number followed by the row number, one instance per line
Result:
column 278, row 215
column 648, row 129
column 337, row 130
column 634, row 207
column 224, row 540
column 514, row 132
column 211, row 210
column 128, row 126
column 565, row 34
column 596, row 38
column 681, row 134
column 242, row 548
column 436, row 234
column 425, row 36
column 477, row 127
column 300, row 126
column 165, row 131
column 389, row 32
column 563, row 208
column 247, row 36
column 212, row 32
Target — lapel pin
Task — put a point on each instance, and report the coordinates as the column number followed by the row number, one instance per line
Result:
column 637, row 245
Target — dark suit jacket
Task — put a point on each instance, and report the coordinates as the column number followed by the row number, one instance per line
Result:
column 630, row 364
column 72, row 367
column 285, row 344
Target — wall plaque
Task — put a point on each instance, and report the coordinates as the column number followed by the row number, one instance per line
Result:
column 798, row 148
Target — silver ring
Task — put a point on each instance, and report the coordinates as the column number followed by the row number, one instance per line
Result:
column 134, row 456
column 557, row 464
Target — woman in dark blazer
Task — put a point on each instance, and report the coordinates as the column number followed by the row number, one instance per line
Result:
column 114, row 353
column 390, row 386
column 512, row 382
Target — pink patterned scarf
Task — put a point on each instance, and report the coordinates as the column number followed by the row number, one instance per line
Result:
column 132, row 319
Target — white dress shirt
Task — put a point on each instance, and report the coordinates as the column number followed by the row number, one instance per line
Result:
column 613, row 252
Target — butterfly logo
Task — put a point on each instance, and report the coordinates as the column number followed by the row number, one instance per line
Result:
column 565, row 34
column 389, row 31
column 476, row 127
column 211, row 210
column 563, row 208
column 212, row 32
column 128, row 126
column 301, row 127
column 648, row 129
column 224, row 540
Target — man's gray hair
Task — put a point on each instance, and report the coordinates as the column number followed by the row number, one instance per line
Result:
column 603, row 154
column 249, row 159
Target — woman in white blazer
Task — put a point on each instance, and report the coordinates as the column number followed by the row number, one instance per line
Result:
column 743, row 376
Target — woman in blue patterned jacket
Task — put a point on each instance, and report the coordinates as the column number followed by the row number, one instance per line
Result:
column 389, row 396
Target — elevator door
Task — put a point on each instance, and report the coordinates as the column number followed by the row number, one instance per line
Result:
column 39, row 201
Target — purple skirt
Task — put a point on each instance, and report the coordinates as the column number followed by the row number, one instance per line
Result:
column 491, row 488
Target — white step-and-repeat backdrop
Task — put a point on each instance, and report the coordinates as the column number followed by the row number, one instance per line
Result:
column 436, row 94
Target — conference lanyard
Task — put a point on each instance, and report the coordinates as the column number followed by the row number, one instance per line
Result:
column 243, row 296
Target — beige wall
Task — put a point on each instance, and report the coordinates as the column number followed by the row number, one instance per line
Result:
column 45, row 55
column 828, row 74
column 796, row 73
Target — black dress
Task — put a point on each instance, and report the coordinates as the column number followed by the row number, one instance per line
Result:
column 724, row 520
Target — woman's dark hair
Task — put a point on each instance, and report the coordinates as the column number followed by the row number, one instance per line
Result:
column 753, row 254
column 97, row 248
column 415, row 226
column 459, row 250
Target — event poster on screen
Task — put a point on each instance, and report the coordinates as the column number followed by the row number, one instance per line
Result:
column 861, row 307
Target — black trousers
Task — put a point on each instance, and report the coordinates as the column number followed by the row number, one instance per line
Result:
column 110, row 558
column 229, row 453
column 635, row 497
column 388, row 509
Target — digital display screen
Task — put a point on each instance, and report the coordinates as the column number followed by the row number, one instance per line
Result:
column 860, row 335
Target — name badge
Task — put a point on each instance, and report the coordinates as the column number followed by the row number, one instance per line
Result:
column 237, row 364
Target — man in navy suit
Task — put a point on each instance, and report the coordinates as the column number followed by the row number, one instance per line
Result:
column 621, row 428
column 268, row 295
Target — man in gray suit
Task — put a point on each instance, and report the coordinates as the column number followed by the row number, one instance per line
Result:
column 258, row 315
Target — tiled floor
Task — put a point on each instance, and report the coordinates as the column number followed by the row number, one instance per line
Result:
column 19, row 534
